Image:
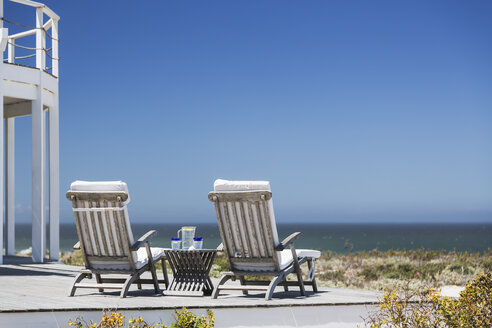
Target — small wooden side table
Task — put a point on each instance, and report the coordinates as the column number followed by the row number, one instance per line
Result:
column 191, row 270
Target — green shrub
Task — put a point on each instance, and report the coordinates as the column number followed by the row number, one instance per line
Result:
column 392, row 275
column 369, row 273
column 459, row 267
column 187, row 319
column 332, row 275
column 426, row 308
column 73, row 258
column 221, row 263
column 487, row 264
column 184, row 319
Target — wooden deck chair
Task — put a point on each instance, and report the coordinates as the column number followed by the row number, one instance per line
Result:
column 250, row 242
column 106, row 239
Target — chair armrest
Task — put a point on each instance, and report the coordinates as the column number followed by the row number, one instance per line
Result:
column 142, row 240
column 287, row 241
column 220, row 248
column 77, row 245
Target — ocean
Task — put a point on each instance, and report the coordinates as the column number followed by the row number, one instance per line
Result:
column 339, row 238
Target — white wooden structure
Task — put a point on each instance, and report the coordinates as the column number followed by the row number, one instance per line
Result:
column 31, row 89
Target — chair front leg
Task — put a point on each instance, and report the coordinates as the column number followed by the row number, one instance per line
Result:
column 226, row 276
column 78, row 279
column 297, row 269
column 152, row 268
column 312, row 271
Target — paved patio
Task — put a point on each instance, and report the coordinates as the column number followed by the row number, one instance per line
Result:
column 37, row 288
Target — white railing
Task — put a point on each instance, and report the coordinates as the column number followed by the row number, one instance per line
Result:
column 42, row 30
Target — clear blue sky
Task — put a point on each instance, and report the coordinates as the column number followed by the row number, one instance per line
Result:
column 354, row 110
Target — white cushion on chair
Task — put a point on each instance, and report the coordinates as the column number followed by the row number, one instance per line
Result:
column 142, row 258
column 101, row 186
column 286, row 256
column 226, row 185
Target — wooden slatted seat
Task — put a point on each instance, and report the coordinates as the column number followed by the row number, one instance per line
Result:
column 106, row 239
column 250, row 241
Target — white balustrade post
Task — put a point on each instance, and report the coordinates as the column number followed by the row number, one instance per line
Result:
column 10, row 190
column 11, row 51
column 54, row 44
column 40, row 38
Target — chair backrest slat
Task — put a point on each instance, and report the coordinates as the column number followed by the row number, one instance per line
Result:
column 86, row 234
column 102, row 231
column 226, row 222
column 237, row 229
column 110, row 234
column 256, row 250
column 247, row 231
column 261, row 235
column 94, row 233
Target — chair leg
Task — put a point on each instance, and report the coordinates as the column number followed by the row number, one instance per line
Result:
column 164, row 272
column 98, row 279
column 209, row 286
column 126, row 286
column 297, row 269
column 154, row 277
column 152, row 268
column 312, row 267
column 286, row 288
column 226, row 276
column 243, row 283
column 78, row 279
column 272, row 285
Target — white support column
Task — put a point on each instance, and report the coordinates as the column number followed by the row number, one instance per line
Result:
column 38, row 153
column 1, row 143
column 38, row 187
column 10, row 188
column 54, row 181
column 1, row 160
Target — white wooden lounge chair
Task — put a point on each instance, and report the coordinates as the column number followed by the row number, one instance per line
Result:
column 250, row 242
column 106, row 239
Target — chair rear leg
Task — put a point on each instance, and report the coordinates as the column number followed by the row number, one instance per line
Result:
column 312, row 270
column 164, row 272
column 154, row 277
column 298, row 271
column 226, row 276
column 98, row 279
column 243, row 283
column 78, row 279
column 286, row 288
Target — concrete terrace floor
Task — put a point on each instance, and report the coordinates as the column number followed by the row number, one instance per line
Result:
column 37, row 288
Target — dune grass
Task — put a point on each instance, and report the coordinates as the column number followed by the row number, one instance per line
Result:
column 375, row 270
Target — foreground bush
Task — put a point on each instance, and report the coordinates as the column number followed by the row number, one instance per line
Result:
column 184, row 319
column 427, row 308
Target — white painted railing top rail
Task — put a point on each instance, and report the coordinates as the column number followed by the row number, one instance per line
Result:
column 45, row 32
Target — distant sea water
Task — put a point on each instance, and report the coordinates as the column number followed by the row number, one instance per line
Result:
column 334, row 237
